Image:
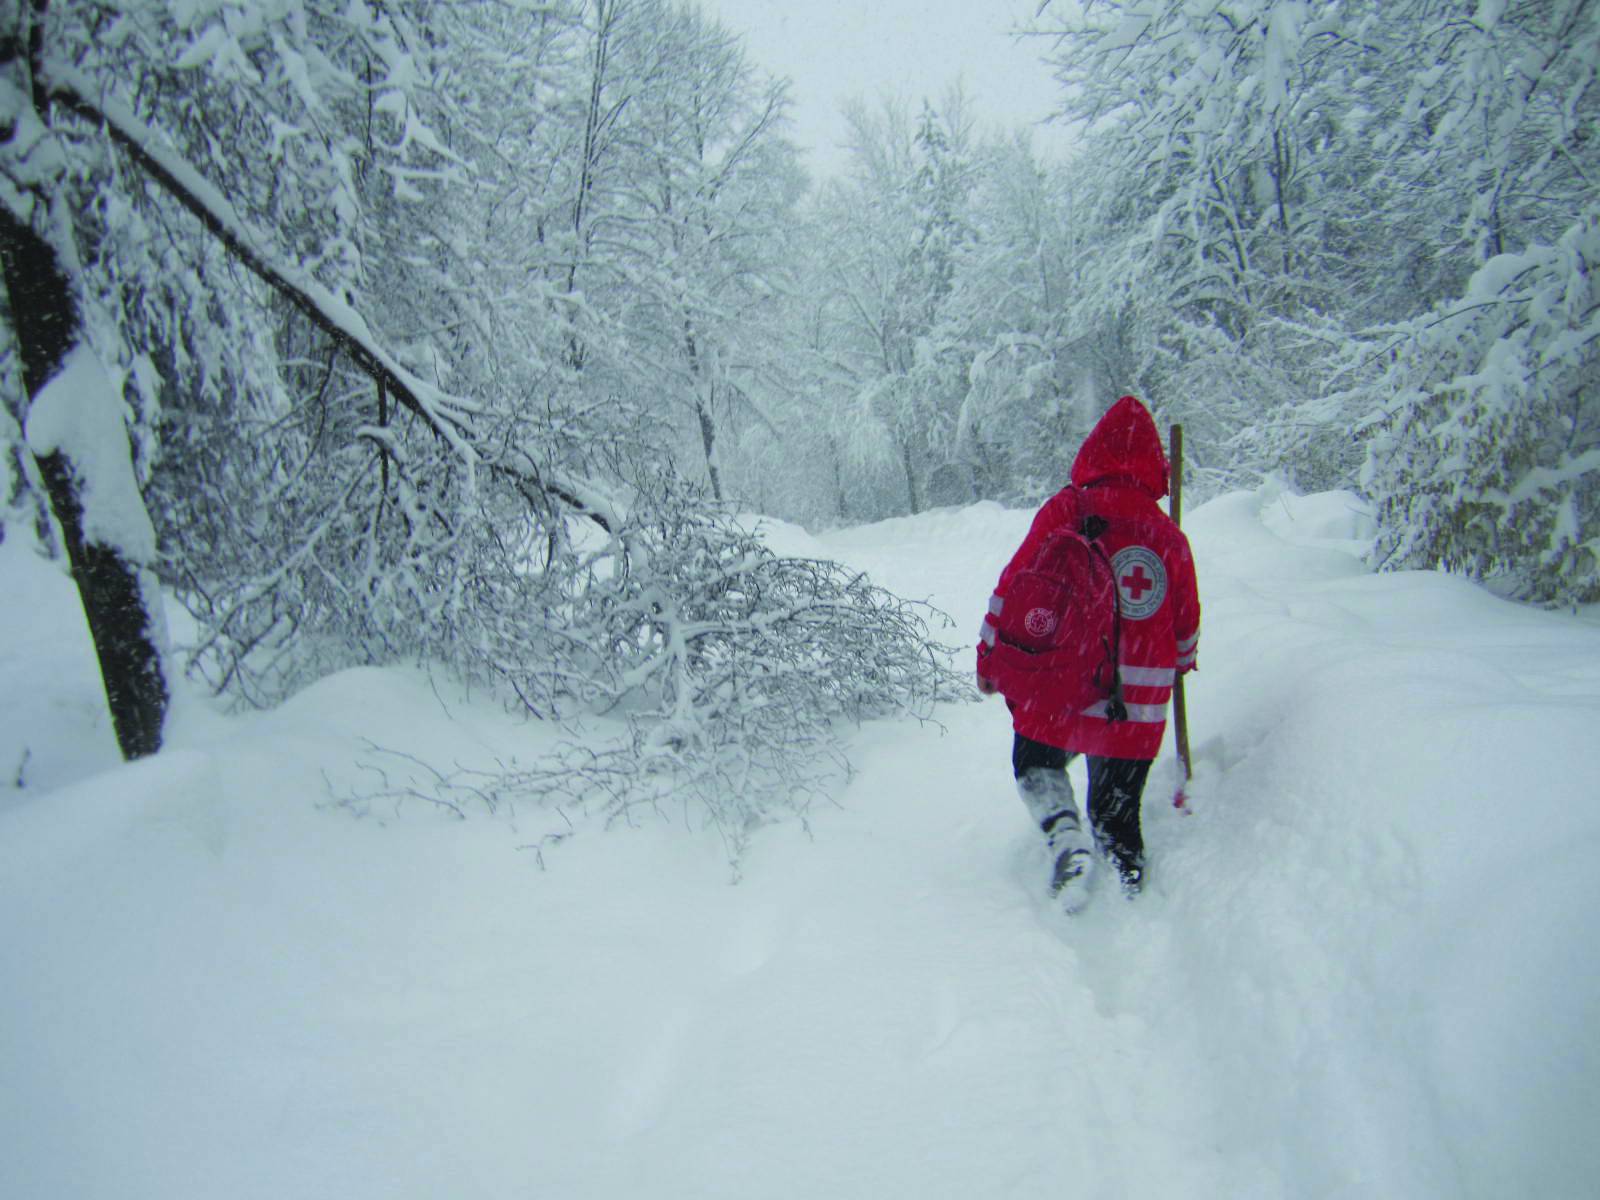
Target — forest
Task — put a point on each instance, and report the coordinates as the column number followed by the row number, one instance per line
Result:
column 471, row 333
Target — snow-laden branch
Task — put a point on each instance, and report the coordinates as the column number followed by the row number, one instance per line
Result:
column 449, row 416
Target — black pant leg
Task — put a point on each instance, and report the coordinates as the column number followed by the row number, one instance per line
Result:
column 1116, row 786
column 1026, row 754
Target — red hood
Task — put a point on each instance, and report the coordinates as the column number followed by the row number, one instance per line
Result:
column 1123, row 448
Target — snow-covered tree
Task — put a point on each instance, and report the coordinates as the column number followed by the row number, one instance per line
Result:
column 1353, row 230
column 1485, row 454
column 1211, row 131
column 69, row 411
column 1031, row 387
column 666, row 162
column 341, row 292
column 899, row 223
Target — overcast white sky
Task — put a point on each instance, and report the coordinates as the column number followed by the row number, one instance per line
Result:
column 832, row 50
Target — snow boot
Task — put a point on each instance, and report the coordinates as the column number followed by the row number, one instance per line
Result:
column 1129, row 865
column 1069, row 882
column 1131, row 874
column 1048, row 795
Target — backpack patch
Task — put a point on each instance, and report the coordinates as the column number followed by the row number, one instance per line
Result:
column 1041, row 622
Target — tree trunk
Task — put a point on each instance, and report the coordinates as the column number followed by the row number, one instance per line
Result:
column 48, row 329
column 841, row 495
column 702, row 410
column 909, row 463
column 708, row 441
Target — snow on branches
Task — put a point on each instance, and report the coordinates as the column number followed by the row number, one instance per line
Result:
column 729, row 673
column 1487, row 460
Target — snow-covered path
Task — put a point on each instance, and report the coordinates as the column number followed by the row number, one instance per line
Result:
column 1363, row 966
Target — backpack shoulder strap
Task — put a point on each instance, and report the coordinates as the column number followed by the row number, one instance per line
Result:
column 1091, row 527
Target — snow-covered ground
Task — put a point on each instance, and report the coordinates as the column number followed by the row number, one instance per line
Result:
column 1363, row 967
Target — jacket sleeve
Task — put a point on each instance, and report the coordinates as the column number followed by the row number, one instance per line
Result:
column 1186, row 607
column 1055, row 512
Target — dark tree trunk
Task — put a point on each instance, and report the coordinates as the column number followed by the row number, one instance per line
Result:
column 47, row 326
column 702, row 411
column 913, row 502
column 708, row 442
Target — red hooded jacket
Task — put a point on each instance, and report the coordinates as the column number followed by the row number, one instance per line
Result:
column 1120, row 473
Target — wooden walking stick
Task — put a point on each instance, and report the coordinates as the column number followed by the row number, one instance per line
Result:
column 1180, row 712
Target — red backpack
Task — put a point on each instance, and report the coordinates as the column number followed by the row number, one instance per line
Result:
column 1058, row 633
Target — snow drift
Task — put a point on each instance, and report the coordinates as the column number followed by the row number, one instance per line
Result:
column 1361, row 967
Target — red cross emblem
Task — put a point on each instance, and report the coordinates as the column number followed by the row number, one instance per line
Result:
column 1141, row 581
column 1136, row 583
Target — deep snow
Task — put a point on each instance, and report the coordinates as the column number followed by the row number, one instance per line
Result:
column 1363, row 966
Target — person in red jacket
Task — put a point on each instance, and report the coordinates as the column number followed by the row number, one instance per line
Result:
column 1119, row 475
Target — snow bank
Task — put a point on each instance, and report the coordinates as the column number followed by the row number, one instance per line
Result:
column 54, row 726
column 1391, row 780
